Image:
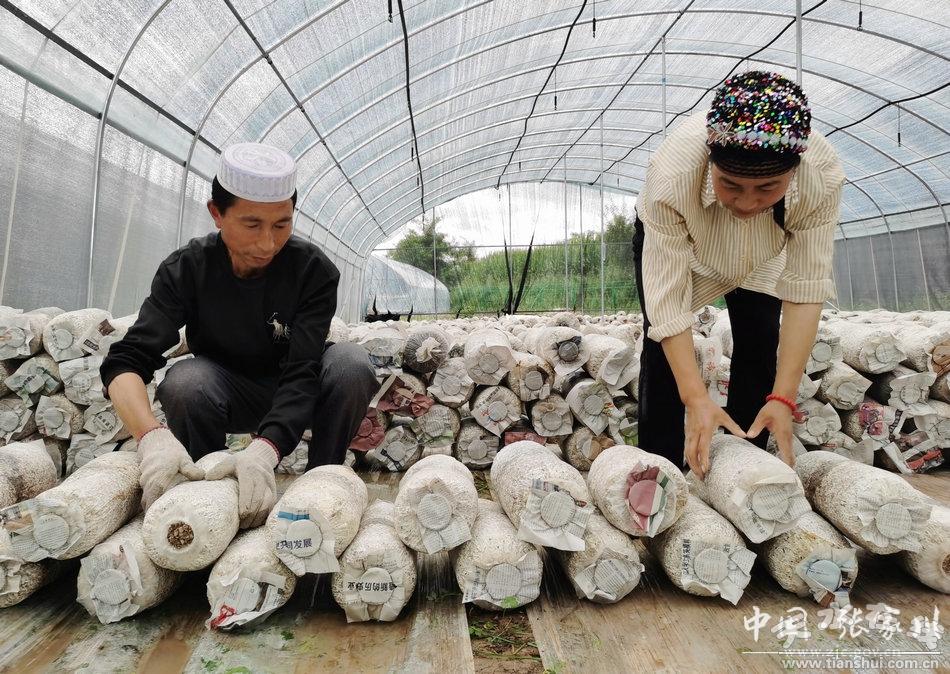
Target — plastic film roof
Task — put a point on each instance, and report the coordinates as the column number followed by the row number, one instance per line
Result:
column 389, row 119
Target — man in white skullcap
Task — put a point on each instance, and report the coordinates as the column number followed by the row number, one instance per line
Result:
column 256, row 303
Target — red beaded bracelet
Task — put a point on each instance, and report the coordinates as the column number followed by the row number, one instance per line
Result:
column 782, row 399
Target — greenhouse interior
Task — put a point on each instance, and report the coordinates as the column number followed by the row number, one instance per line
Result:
column 504, row 188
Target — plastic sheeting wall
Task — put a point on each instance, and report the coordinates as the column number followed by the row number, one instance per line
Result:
column 395, row 287
column 905, row 270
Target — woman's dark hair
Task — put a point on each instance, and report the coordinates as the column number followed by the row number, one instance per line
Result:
column 224, row 199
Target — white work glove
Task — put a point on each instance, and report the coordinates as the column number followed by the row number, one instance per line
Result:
column 163, row 462
column 257, row 487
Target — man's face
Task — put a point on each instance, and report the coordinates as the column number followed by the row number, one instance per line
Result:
column 747, row 197
column 254, row 232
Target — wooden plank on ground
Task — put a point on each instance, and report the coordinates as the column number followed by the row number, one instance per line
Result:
column 936, row 485
column 438, row 639
column 51, row 632
column 660, row 628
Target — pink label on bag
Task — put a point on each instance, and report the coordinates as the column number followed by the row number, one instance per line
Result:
column 370, row 433
column 518, row 436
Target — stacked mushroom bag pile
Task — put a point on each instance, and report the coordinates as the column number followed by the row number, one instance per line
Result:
column 544, row 497
column 904, row 389
column 476, row 447
column 842, row 386
column 436, row 505
column 385, row 345
column 248, row 582
column 530, row 377
column 100, row 336
column 36, row 377
column 317, row 518
column 451, row 386
column 436, row 430
column 495, row 569
column 876, row 509
column 118, row 579
column 190, row 525
column 377, row 573
column 69, row 519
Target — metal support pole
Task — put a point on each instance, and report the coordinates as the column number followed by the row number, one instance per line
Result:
column 603, row 244
column 662, row 81
column 923, row 271
column 435, row 270
column 100, row 141
column 510, row 238
column 798, row 42
column 877, row 287
column 567, row 299
column 580, row 213
column 847, row 253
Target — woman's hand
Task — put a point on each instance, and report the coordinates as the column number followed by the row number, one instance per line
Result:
column 777, row 417
column 703, row 418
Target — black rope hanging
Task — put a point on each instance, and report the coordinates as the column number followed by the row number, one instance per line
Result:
column 898, row 126
column 555, row 88
column 390, row 11
column 593, row 23
column 860, row 15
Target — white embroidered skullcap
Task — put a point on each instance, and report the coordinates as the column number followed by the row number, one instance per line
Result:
column 257, row 172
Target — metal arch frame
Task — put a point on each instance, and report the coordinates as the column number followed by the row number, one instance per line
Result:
column 457, row 118
column 359, row 231
column 499, row 80
column 446, row 195
column 716, row 54
column 392, row 170
column 524, row 36
column 319, row 211
column 362, row 225
column 304, row 214
column 362, row 235
column 387, row 221
column 148, row 23
column 506, row 101
column 266, row 55
column 627, row 15
column 100, row 141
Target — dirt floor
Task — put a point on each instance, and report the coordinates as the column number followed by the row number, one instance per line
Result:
column 503, row 642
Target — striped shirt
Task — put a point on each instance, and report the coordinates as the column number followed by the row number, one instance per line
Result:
column 695, row 250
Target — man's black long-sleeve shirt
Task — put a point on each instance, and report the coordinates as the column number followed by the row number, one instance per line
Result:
column 271, row 326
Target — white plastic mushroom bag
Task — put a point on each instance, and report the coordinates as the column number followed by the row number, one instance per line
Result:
column 756, row 491
column 247, row 583
column 81, row 380
column 451, row 384
column 316, row 518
